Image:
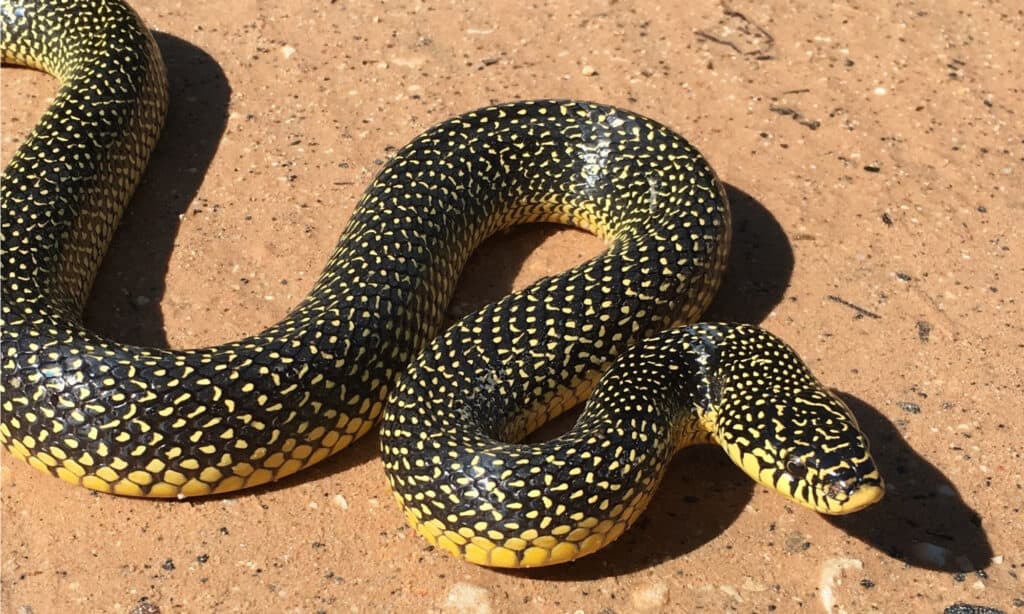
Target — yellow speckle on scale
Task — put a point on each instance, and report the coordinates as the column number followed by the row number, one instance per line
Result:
column 535, row 557
column 127, row 489
column 210, row 475
column 163, row 489
column 142, row 478
column 94, row 483
column 174, row 478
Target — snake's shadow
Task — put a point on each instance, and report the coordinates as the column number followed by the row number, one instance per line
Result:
column 125, row 299
column 922, row 520
column 760, row 264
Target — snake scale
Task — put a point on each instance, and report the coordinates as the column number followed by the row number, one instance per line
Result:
column 365, row 343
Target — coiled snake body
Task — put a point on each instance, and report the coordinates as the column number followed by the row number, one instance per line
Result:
column 160, row 423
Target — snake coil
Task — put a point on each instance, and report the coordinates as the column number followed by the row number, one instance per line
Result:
column 160, row 423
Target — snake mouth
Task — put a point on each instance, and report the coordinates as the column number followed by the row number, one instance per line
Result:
column 845, row 495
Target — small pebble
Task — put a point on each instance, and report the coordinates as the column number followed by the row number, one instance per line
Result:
column 145, row 607
column 650, row 598
column 751, row 585
column 588, row 70
column 731, row 591
column 963, row 608
column 831, row 576
column 911, row 408
column 924, row 329
column 341, row 501
column 796, row 542
column 465, row 598
column 287, row 51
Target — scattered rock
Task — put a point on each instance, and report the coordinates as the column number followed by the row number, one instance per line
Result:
column 650, row 598
column 752, row 586
column 924, row 329
column 963, row 608
column 831, row 576
column 910, row 408
column 341, row 501
column 731, row 591
column 145, row 607
column 796, row 542
column 465, row 598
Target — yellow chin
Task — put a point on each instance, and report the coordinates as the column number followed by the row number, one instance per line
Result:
column 857, row 500
column 785, row 485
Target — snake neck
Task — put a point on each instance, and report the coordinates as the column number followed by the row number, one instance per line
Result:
column 746, row 390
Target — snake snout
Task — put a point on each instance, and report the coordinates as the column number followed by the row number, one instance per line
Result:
column 852, row 488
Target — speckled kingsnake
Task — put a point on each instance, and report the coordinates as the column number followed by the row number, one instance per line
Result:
column 160, row 423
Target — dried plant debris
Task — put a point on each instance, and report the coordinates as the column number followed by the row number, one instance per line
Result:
column 741, row 34
column 797, row 116
column 860, row 311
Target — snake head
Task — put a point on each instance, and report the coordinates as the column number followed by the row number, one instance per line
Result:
column 828, row 467
column 780, row 425
column 811, row 451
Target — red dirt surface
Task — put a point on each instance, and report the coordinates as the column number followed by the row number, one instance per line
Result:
column 873, row 153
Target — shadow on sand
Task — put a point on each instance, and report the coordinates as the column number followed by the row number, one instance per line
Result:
column 125, row 299
column 922, row 520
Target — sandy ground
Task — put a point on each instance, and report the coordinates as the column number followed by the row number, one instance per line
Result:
column 874, row 159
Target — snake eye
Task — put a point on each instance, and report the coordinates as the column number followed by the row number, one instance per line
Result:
column 796, row 467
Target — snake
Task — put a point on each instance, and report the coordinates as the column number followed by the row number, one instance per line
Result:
column 367, row 345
